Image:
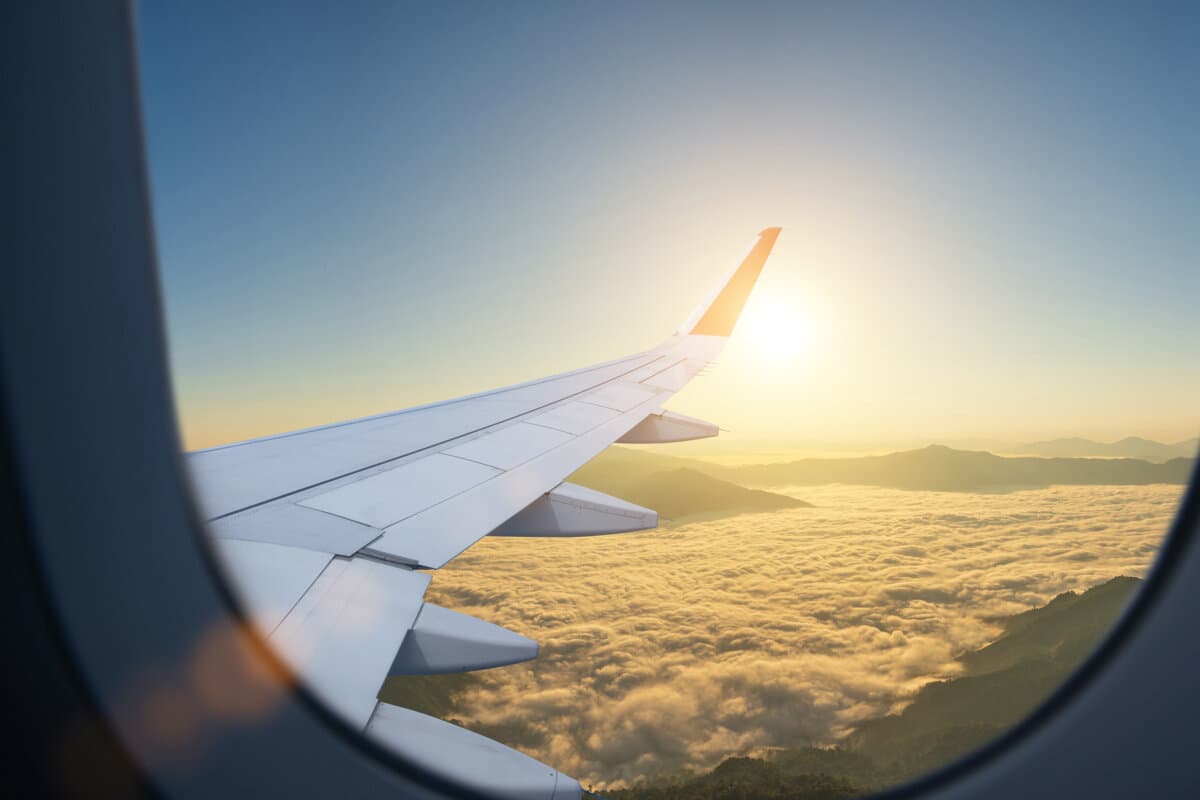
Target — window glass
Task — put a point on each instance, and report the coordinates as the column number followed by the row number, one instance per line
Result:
column 959, row 409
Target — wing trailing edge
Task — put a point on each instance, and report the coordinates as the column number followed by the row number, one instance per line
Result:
column 468, row 759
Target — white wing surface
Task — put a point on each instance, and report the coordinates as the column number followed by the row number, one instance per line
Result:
column 327, row 531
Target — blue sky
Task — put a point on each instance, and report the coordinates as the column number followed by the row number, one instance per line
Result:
column 989, row 214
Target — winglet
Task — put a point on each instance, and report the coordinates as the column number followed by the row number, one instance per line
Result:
column 720, row 313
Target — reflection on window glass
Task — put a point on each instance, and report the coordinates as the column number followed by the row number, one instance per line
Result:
column 958, row 411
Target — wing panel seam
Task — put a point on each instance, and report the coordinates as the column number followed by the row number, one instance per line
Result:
column 432, row 447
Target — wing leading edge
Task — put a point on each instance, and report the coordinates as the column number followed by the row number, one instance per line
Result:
column 326, row 530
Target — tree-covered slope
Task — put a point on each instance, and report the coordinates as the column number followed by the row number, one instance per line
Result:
column 1003, row 683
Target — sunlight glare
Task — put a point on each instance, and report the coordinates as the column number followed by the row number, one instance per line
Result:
column 777, row 331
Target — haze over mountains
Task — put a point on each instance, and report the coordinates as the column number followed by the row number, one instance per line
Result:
column 1129, row 447
column 932, row 468
column 940, row 468
column 740, row 452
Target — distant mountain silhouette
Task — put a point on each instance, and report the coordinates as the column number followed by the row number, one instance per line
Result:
column 683, row 492
column 674, row 491
column 941, row 468
column 625, row 463
column 1129, row 447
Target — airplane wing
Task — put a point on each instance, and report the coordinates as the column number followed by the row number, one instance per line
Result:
column 329, row 532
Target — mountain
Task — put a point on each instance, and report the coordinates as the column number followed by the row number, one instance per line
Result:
column 675, row 488
column 1129, row 447
column 625, row 463
column 940, row 468
column 743, row 779
column 934, row 468
column 1004, row 682
column 682, row 492
column 1066, row 629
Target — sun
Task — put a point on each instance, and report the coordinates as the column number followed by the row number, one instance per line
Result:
column 777, row 331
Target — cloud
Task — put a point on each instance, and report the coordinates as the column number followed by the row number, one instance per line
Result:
column 679, row 647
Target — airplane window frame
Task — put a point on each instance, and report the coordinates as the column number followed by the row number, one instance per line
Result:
column 102, row 522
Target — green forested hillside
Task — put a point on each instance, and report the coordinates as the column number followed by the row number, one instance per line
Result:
column 747, row 779
column 1066, row 629
column 1004, row 682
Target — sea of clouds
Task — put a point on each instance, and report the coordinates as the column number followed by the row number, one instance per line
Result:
column 679, row 647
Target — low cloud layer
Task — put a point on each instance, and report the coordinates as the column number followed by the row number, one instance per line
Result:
column 676, row 648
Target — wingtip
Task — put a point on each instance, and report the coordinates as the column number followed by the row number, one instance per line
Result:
column 720, row 316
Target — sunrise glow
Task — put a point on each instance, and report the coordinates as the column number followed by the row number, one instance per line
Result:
column 777, row 330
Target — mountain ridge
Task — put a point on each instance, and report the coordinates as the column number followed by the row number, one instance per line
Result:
column 676, row 488
column 1128, row 447
column 935, row 467
column 941, row 468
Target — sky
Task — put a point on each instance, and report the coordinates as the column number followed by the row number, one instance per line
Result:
column 988, row 213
